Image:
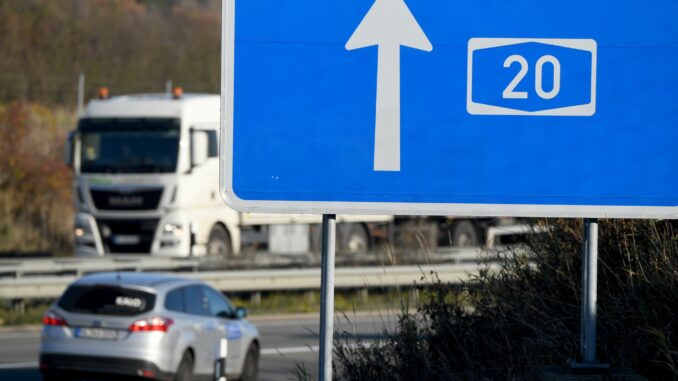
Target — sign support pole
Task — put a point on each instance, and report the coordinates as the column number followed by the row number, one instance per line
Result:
column 589, row 297
column 329, row 232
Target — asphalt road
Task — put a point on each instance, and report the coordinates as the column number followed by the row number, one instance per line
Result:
column 285, row 344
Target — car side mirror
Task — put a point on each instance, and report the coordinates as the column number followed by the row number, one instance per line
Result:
column 199, row 147
column 241, row 313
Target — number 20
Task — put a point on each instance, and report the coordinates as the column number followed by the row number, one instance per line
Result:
column 509, row 91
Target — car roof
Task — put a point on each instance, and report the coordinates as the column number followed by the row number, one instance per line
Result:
column 156, row 281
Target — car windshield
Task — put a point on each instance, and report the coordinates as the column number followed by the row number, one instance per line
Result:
column 106, row 300
column 129, row 145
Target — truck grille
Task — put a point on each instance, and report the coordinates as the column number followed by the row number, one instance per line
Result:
column 143, row 199
column 127, row 236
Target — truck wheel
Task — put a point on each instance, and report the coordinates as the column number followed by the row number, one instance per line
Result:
column 353, row 238
column 219, row 243
column 464, row 234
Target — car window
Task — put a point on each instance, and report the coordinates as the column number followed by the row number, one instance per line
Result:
column 174, row 301
column 218, row 303
column 106, row 300
column 196, row 301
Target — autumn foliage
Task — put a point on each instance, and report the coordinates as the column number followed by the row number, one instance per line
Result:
column 35, row 184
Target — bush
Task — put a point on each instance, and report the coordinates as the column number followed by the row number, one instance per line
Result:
column 35, row 185
column 527, row 313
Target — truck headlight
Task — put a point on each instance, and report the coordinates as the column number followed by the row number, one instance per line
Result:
column 174, row 230
column 83, row 234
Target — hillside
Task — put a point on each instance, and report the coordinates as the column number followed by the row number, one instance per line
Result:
column 127, row 45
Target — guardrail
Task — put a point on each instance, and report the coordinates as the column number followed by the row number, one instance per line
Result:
column 40, row 267
column 48, row 277
column 18, row 268
column 49, row 287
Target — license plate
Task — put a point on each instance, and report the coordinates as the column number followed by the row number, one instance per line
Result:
column 96, row 333
column 126, row 239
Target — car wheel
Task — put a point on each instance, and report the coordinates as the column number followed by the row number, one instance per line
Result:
column 251, row 367
column 185, row 370
column 464, row 234
column 219, row 243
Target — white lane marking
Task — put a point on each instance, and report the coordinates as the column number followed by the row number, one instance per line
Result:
column 337, row 321
column 309, row 348
column 289, row 350
column 18, row 365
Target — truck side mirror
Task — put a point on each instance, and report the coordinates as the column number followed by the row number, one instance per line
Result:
column 69, row 149
column 199, row 147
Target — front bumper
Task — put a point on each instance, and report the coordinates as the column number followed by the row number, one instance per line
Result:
column 129, row 235
column 102, row 365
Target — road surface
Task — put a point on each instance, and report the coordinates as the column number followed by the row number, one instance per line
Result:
column 285, row 343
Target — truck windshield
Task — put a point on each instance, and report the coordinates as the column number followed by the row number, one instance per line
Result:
column 129, row 145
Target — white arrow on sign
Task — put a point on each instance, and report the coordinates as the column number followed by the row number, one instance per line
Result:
column 388, row 24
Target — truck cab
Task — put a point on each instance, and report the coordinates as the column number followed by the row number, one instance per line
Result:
column 146, row 177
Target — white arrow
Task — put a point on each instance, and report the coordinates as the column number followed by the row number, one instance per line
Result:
column 388, row 24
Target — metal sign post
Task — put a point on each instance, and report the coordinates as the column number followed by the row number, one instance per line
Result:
column 589, row 296
column 220, row 362
column 329, row 232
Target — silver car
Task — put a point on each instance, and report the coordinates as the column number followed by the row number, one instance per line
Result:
column 145, row 325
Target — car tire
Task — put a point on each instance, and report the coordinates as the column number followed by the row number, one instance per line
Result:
column 464, row 234
column 250, row 368
column 219, row 243
column 185, row 369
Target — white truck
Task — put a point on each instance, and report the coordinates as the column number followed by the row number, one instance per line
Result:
column 146, row 173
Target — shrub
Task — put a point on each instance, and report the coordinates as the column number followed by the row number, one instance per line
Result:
column 527, row 313
column 35, row 185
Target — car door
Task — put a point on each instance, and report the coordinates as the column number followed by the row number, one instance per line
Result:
column 205, row 327
column 231, row 328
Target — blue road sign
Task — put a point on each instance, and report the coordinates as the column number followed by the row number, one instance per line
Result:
column 466, row 107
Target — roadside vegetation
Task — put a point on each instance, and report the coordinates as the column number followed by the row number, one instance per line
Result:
column 527, row 314
column 346, row 302
column 130, row 46
column 35, row 184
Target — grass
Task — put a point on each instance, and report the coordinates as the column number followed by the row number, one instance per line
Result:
column 306, row 302
column 32, row 314
column 270, row 303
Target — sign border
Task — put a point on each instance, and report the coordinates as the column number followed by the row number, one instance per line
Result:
column 332, row 207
